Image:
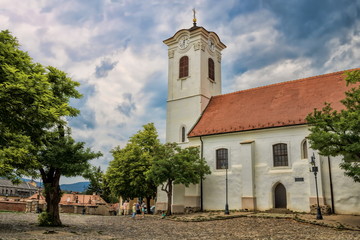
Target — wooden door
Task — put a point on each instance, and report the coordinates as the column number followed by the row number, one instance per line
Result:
column 280, row 196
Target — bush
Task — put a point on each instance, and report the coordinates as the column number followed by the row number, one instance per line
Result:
column 45, row 219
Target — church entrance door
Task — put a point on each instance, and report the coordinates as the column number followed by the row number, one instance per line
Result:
column 280, row 196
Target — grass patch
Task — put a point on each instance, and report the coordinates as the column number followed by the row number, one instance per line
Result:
column 8, row 211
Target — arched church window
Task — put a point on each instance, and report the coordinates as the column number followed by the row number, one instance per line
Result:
column 183, row 134
column 222, row 158
column 211, row 67
column 304, row 150
column 280, row 155
column 184, row 67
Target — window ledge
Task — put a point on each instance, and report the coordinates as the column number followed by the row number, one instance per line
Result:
column 221, row 171
column 183, row 78
column 213, row 81
column 284, row 169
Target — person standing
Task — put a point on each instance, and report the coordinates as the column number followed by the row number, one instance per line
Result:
column 133, row 211
column 126, row 207
column 143, row 208
column 138, row 211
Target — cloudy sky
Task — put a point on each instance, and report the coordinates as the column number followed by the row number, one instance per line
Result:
column 114, row 49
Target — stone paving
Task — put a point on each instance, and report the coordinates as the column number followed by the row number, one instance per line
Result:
column 195, row 226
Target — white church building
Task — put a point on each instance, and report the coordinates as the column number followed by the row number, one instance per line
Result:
column 255, row 138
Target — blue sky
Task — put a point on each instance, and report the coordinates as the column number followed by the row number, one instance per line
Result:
column 114, row 49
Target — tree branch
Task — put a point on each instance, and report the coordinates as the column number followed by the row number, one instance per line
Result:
column 165, row 188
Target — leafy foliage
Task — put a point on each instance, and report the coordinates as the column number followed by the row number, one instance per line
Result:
column 61, row 153
column 98, row 184
column 33, row 99
column 45, row 219
column 61, row 156
column 174, row 165
column 95, row 176
column 34, row 104
column 144, row 163
column 126, row 174
column 336, row 133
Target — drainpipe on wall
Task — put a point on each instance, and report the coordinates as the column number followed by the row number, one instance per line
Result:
column 201, row 181
column 331, row 188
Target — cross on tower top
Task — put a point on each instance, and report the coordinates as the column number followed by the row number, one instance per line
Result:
column 194, row 18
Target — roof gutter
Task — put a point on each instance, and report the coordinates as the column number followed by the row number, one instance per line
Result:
column 247, row 130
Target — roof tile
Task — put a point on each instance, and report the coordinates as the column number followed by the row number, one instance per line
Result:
column 276, row 105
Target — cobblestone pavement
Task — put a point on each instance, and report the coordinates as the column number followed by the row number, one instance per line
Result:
column 23, row 226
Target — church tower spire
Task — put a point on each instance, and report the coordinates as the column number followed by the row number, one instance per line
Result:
column 194, row 75
column 194, row 18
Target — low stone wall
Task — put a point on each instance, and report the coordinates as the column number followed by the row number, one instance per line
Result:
column 89, row 209
column 66, row 208
column 191, row 209
column 34, row 206
column 13, row 206
column 325, row 209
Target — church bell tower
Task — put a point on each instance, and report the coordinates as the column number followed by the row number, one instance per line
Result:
column 194, row 75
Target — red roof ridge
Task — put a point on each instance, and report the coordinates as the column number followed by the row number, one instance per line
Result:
column 289, row 82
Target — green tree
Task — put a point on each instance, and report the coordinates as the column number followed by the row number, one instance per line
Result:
column 174, row 165
column 126, row 174
column 337, row 133
column 33, row 99
column 60, row 156
column 98, row 184
column 96, row 178
column 34, row 104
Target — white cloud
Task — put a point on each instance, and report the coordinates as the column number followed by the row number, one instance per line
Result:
column 277, row 72
column 344, row 55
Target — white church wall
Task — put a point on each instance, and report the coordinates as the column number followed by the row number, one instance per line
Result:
column 266, row 176
column 214, row 184
column 346, row 192
column 299, row 192
column 192, row 196
column 178, row 116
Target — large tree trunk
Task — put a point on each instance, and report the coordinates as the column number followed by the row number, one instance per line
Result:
column 169, row 195
column 52, row 196
column 148, row 204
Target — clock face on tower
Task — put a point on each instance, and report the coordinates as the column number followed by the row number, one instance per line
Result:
column 184, row 42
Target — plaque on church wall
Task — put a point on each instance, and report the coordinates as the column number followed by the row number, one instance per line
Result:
column 299, row 179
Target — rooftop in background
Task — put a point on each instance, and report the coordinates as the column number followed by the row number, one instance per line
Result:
column 23, row 189
column 74, row 199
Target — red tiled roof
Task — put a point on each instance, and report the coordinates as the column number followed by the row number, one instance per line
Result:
column 74, row 199
column 277, row 105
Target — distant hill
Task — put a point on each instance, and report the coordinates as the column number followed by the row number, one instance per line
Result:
column 75, row 187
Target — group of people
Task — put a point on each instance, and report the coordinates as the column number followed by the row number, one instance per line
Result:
column 137, row 209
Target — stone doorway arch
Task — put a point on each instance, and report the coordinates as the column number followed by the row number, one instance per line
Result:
column 280, row 196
